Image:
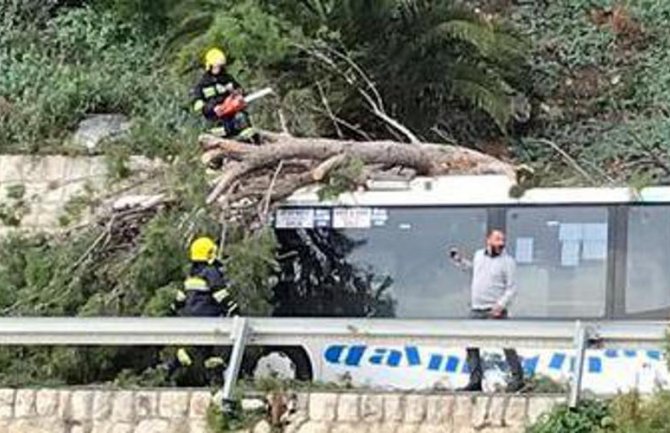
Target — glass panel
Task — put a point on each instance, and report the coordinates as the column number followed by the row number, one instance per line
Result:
column 648, row 267
column 561, row 258
column 403, row 252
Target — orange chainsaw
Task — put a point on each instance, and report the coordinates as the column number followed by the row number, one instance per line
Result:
column 237, row 102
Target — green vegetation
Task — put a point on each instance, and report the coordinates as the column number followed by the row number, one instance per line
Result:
column 627, row 413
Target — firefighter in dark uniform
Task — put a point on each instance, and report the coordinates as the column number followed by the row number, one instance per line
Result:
column 212, row 90
column 204, row 294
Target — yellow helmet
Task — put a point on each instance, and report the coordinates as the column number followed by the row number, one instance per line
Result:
column 214, row 57
column 203, row 249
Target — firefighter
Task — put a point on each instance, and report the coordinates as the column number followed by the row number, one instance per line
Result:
column 209, row 95
column 204, row 294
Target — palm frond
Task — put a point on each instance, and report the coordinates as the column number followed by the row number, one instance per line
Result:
column 489, row 43
column 483, row 89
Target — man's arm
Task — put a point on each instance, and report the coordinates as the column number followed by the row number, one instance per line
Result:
column 510, row 284
column 458, row 260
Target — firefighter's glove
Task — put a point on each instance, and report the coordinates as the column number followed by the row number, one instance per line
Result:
column 213, row 362
column 184, row 358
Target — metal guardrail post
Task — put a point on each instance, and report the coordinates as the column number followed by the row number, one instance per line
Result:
column 581, row 342
column 239, row 335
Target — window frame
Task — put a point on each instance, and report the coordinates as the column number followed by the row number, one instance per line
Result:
column 617, row 246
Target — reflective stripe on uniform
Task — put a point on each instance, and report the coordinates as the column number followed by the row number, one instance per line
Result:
column 221, row 89
column 220, row 131
column 198, row 105
column 247, row 133
column 181, row 296
column 196, row 284
column 184, row 358
column 209, row 91
column 214, row 362
column 220, row 295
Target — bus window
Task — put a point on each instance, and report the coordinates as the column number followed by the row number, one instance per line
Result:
column 561, row 256
column 648, row 267
column 403, row 251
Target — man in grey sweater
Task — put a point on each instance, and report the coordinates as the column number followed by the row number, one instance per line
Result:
column 493, row 289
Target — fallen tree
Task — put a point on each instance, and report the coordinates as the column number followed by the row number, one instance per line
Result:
column 253, row 178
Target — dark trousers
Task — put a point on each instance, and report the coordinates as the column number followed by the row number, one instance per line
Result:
column 474, row 358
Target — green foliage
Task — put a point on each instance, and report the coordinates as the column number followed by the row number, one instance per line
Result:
column 250, row 265
column 14, row 207
column 588, row 417
column 84, row 60
column 626, row 413
column 237, row 419
column 345, row 177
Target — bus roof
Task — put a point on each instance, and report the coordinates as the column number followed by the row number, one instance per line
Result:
column 474, row 190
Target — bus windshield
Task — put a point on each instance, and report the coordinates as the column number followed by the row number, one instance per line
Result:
column 393, row 261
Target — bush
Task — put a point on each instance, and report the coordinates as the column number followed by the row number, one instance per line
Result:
column 86, row 61
column 588, row 417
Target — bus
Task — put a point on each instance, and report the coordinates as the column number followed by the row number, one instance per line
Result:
column 581, row 253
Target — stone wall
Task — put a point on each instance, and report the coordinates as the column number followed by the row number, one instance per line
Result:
column 50, row 182
column 184, row 411
column 417, row 413
column 103, row 411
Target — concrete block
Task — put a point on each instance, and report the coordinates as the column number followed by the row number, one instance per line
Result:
column 123, row 407
column 394, row 407
column 315, row 427
column 463, row 410
column 12, row 168
column 198, row 426
column 146, row 404
column 384, row 427
column 415, row 408
column 102, row 405
column 200, row 401
column 7, row 403
column 347, row 408
column 24, row 405
column 496, row 410
column 122, row 427
column 64, row 409
column 322, row 406
column 481, row 412
column 153, row 426
column 349, row 427
column 174, row 404
column 372, row 408
column 262, row 427
column 46, row 402
column 439, row 409
column 515, row 415
column 102, row 427
column 81, row 405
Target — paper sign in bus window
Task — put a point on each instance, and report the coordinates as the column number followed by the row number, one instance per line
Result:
column 295, row 218
column 570, row 253
column 524, row 250
column 352, row 218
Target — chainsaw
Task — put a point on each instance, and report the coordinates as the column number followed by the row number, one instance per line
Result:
column 237, row 102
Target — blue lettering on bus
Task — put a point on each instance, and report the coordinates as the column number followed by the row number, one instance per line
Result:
column 353, row 356
column 435, row 362
column 452, row 364
column 530, row 365
column 595, row 365
column 412, row 353
column 557, row 360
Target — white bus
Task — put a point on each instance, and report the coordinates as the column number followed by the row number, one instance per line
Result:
column 581, row 253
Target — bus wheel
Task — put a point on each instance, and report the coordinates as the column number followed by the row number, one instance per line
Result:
column 290, row 363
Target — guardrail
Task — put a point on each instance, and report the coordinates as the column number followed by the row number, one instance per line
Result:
column 240, row 332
